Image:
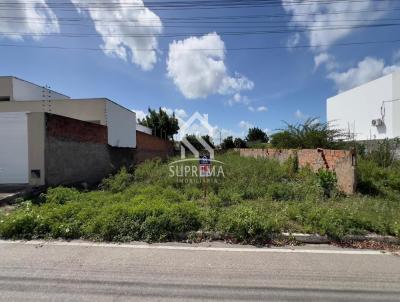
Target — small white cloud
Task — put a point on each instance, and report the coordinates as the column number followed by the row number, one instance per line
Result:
column 127, row 27
column 197, row 67
column 293, row 40
column 366, row 70
column 140, row 114
column 325, row 59
column 179, row 113
column 24, row 12
column 237, row 98
column 258, row 109
column 245, row 125
column 300, row 115
column 262, row 109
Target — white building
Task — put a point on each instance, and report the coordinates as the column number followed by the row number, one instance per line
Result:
column 15, row 89
column 20, row 147
column 370, row 111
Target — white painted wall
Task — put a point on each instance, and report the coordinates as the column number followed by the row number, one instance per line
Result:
column 356, row 108
column 26, row 91
column 120, row 121
column 121, row 124
column 14, row 148
column 144, row 129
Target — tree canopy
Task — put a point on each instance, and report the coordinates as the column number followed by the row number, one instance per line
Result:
column 163, row 125
column 228, row 143
column 257, row 135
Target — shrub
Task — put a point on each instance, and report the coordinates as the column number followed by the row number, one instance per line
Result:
column 118, row 182
column 311, row 134
column 61, row 195
column 249, row 224
column 327, row 180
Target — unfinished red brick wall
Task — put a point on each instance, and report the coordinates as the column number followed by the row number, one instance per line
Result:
column 150, row 147
column 71, row 129
column 342, row 162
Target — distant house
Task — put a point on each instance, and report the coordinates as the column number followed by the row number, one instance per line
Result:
column 47, row 138
column 370, row 111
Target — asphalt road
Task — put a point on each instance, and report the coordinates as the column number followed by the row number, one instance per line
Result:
column 83, row 272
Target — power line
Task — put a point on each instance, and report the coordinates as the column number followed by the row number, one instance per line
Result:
column 178, row 5
column 184, row 34
column 362, row 43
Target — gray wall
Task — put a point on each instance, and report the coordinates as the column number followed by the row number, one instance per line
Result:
column 69, row 162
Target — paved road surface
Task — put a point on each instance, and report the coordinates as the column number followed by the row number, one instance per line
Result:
column 83, row 272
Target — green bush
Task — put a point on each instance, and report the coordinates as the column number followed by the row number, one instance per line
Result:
column 249, row 224
column 255, row 199
column 118, row 182
column 61, row 195
column 328, row 181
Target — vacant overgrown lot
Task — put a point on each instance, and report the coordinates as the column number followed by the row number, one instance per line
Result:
column 255, row 199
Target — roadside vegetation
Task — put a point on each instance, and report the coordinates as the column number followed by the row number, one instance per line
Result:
column 255, row 199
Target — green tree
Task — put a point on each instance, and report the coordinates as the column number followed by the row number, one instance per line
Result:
column 192, row 139
column 228, row 143
column 161, row 123
column 309, row 135
column 257, row 135
column 239, row 143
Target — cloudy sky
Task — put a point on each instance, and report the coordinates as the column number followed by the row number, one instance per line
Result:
column 244, row 63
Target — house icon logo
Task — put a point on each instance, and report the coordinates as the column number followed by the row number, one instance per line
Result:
column 188, row 127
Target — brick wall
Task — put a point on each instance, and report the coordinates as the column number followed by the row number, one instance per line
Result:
column 71, row 129
column 342, row 162
column 149, row 147
column 78, row 152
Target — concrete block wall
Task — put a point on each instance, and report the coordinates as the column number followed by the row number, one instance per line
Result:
column 342, row 162
column 149, row 147
column 78, row 152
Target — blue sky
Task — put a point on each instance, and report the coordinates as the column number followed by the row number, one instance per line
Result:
column 194, row 65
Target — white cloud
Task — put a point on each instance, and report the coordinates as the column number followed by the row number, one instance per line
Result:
column 262, row 109
column 258, row 109
column 179, row 113
column 140, row 114
column 300, row 115
column 245, row 125
column 293, row 40
column 366, row 70
column 25, row 12
column 121, row 38
column 326, row 59
column 197, row 67
column 324, row 14
column 237, row 98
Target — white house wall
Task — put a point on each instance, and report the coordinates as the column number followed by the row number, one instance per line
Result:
column 121, row 124
column 25, row 91
column 144, row 129
column 84, row 110
column 120, row 121
column 14, row 148
column 355, row 109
